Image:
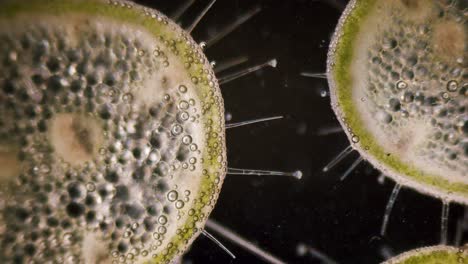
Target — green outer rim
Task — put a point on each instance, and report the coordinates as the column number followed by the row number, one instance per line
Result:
column 430, row 255
column 340, row 60
column 212, row 101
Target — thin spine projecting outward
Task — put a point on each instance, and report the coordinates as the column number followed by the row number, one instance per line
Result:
column 314, row 75
column 254, row 121
column 343, row 154
column 229, row 63
column 325, row 131
column 200, row 17
column 236, row 61
column 182, row 9
column 233, row 76
column 242, row 242
column 235, row 171
column 389, row 207
column 351, row 168
column 444, row 222
column 233, row 26
column 217, row 242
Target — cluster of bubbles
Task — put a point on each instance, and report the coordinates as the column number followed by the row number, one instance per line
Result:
column 407, row 81
column 125, row 192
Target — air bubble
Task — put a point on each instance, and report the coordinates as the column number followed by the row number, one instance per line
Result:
column 402, row 85
column 90, row 187
column 183, row 116
column 127, row 234
column 172, row 196
column 162, row 219
column 182, row 88
column 193, row 147
column 156, row 236
column 183, row 105
column 202, row 45
column 179, row 204
column 452, row 86
column 177, row 130
column 162, row 230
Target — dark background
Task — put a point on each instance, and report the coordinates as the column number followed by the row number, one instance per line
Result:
column 341, row 220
